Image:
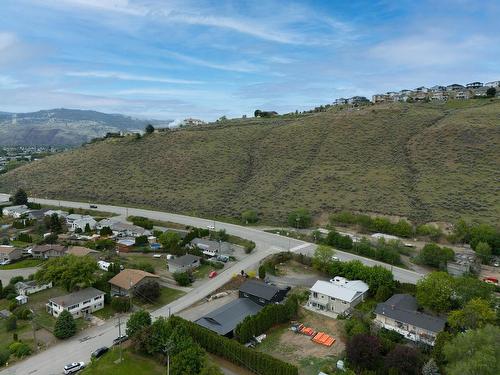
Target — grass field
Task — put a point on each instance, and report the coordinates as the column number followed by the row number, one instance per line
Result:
column 424, row 161
column 167, row 295
column 132, row 364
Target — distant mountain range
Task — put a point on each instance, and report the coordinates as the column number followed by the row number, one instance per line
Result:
column 64, row 126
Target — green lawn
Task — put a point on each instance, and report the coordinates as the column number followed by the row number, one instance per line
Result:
column 133, row 258
column 25, row 263
column 105, row 313
column 167, row 295
column 202, row 271
column 132, row 364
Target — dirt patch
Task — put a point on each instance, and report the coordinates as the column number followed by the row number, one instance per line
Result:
column 233, row 284
column 44, row 337
column 295, row 347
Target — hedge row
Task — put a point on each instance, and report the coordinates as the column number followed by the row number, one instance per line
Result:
column 266, row 318
column 233, row 351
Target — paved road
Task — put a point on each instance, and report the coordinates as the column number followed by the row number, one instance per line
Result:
column 79, row 348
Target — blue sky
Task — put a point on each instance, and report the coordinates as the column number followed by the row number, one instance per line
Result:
column 176, row 59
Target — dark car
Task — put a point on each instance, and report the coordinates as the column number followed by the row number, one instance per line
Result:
column 100, row 352
column 93, row 206
column 120, row 339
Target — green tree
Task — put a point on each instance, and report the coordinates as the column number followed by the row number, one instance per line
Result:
column 491, row 92
column 106, row 231
column 475, row 314
column 11, row 323
column 300, row 218
column 430, row 368
column 121, row 304
column 20, row 197
column 149, row 129
column 467, row 288
column 435, row 291
column 65, row 325
column 474, row 352
column 483, row 249
column 262, row 272
column 182, row 278
column 87, row 228
column 170, row 240
column 436, row 256
column 138, row 321
column 249, row 217
column 322, row 257
column 189, row 361
column 69, row 271
column 147, row 292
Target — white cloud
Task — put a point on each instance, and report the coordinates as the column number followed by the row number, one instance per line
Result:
column 7, row 82
column 242, row 67
column 7, row 40
column 129, row 77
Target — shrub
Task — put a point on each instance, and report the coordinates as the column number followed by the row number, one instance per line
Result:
column 11, row 323
column 182, row 278
column 364, row 351
column 141, row 222
column 300, row 218
column 120, row 304
column 19, row 349
column 137, row 322
column 148, row 292
column 249, row 217
column 65, row 325
column 4, row 356
column 145, row 266
column 249, row 247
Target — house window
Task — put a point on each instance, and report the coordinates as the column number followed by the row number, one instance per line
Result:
column 85, row 302
column 96, row 298
column 315, row 295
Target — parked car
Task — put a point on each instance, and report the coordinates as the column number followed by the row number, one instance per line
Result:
column 93, row 206
column 99, row 352
column 335, row 258
column 156, row 255
column 5, row 262
column 222, row 258
column 73, row 367
column 212, row 274
column 120, row 339
column 211, row 227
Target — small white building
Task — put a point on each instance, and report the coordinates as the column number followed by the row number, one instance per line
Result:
column 21, row 300
column 59, row 213
column 79, row 304
column 387, row 237
column 82, row 223
column 492, row 84
column 339, row 296
column 25, row 288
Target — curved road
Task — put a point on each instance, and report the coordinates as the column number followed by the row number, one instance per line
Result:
column 52, row 360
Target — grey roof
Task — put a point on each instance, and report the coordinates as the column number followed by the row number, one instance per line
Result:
column 77, row 297
column 403, row 308
column 259, row 289
column 210, row 245
column 184, row 260
column 225, row 319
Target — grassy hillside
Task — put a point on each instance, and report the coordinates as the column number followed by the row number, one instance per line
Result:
column 423, row 161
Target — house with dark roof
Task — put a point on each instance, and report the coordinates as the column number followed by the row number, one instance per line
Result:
column 399, row 313
column 262, row 293
column 224, row 320
column 184, row 263
column 48, row 251
column 209, row 247
column 79, row 304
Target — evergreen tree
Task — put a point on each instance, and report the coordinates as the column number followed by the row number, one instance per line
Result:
column 20, row 197
column 65, row 325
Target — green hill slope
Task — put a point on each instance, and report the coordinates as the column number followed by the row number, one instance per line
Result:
column 423, row 161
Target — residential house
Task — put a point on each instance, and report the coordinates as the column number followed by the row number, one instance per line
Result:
column 128, row 230
column 481, row 91
column 10, row 253
column 26, row 288
column 125, row 245
column 492, row 84
column 15, row 211
column 59, row 213
column 339, row 296
column 463, row 95
column 82, row 223
column 405, row 92
column 79, row 304
column 439, row 96
column 107, row 222
column 474, row 85
column 262, row 293
column 437, row 88
column 192, row 122
column 340, row 101
column 36, row 214
column 48, row 251
column 81, row 251
column 399, row 313
column 128, row 280
column 454, row 87
column 224, row 320
column 419, row 95
column 184, row 263
column 422, row 89
column 209, row 247
column 464, row 263
column 380, row 98
column 72, row 217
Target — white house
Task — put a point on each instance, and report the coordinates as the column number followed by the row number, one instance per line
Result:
column 492, row 84
column 82, row 223
column 79, row 304
column 25, row 288
column 59, row 213
column 184, row 263
column 209, row 247
column 15, row 211
column 128, row 230
column 339, row 296
column 464, row 94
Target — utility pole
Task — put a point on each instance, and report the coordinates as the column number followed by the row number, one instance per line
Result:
column 167, row 347
column 33, row 326
column 120, row 338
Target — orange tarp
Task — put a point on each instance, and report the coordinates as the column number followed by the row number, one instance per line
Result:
column 323, row 339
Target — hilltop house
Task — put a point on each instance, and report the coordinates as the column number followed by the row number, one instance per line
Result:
column 79, row 304
column 454, row 87
column 474, row 85
column 357, row 100
column 48, row 251
column 339, row 296
column 437, row 88
column 262, row 293
column 128, row 280
column 439, row 95
column 340, row 101
column 184, row 263
column 463, row 94
column 492, row 84
column 399, row 313
column 9, row 253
